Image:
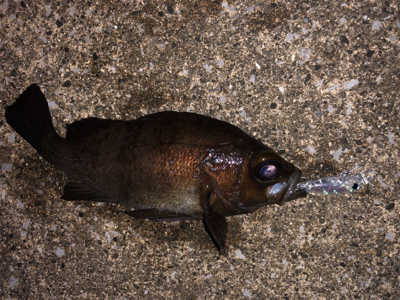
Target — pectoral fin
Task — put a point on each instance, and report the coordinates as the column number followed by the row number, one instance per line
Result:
column 216, row 226
column 80, row 191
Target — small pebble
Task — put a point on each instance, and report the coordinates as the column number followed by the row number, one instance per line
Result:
column 6, row 167
column 390, row 137
column 337, row 153
column 60, row 252
column 350, row 84
column 376, row 25
column 48, row 10
column 289, row 37
column 239, row 254
column 43, row 38
column 13, row 282
column 390, row 206
column 348, row 110
column 333, row 87
column 247, row 294
column 207, row 67
column 67, row 83
column 311, row 150
column 305, row 53
column 11, row 138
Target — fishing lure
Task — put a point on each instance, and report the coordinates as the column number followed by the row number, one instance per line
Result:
column 337, row 185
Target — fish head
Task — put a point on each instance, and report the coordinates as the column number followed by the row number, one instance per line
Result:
column 260, row 178
column 268, row 179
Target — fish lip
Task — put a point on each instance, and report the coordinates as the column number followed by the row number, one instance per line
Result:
column 291, row 193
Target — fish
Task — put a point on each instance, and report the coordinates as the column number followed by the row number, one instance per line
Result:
column 165, row 166
column 344, row 183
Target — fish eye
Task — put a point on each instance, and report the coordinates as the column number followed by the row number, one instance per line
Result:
column 268, row 170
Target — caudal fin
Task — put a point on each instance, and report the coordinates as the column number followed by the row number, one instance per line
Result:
column 30, row 117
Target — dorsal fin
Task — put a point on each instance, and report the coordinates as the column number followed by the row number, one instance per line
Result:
column 87, row 126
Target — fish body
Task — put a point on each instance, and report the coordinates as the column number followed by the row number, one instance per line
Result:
column 165, row 166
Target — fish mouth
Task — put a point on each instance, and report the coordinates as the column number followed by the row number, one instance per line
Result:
column 291, row 192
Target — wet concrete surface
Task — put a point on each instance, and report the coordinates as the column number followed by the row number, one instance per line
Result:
column 318, row 81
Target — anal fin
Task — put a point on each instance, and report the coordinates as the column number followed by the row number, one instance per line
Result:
column 80, row 191
column 158, row 215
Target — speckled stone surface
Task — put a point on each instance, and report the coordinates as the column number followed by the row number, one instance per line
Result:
column 318, row 81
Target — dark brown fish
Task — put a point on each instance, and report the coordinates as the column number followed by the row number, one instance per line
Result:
column 167, row 166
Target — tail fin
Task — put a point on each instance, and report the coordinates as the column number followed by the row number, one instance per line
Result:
column 30, row 117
